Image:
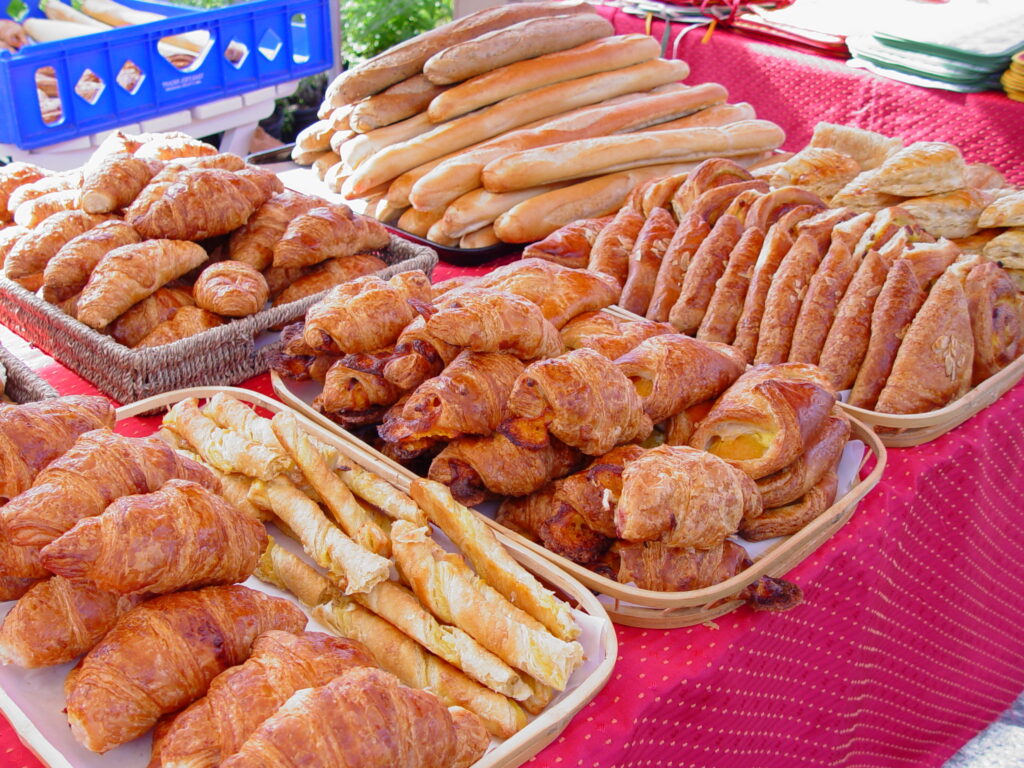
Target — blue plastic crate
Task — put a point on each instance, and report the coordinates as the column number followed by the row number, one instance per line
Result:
column 283, row 40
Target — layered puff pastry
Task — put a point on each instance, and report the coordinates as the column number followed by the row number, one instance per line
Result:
column 1007, row 211
column 997, row 322
column 868, row 148
column 821, row 170
column 923, row 168
column 952, row 214
column 231, row 288
column 609, row 335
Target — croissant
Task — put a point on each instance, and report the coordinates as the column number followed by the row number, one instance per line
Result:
column 706, row 267
column 790, row 483
column 129, row 274
column 723, row 313
column 848, row 339
column 789, row 519
column 56, row 182
column 231, row 288
column 114, row 181
column 683, row 497
column 483, row 320
column 898, row 302
column 330, row 231
column 179, row 537
column 767, row 418
column 468, row 397
column 418, row 356
column 137, row 322
column 14, row 588
column 9, row 237
column 364, row 314
column 172, row 146
column 609, row 335
column 185, row 322
column 253, row 243
column 934, row 364
column 34, row 434
column 121, row 688
column 610, row 252
column 673, row 372
column 13, row 176
column 691, row 232
column 58, row 620
column 777, row 242
column 570, row 245
column 360, row 719
column 584, row 399
column 680, row 427
column 355, row 390
column 472, row 466
column 198, row 203
column 100, row 467
column 20, row 563
column 560, row 292
column 329, row 274
column 31, row 253
column 279, row 279
column 242, row 698
column 67, row 273
column 34, row 212
column 645, row 260
column 996, row 320
column 658, row 566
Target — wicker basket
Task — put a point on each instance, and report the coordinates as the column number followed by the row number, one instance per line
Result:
column 23, row 384
column 229, row 354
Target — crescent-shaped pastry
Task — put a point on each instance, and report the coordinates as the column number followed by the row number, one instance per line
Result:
column 231, row 288
column 609, row 335
column 789, row 519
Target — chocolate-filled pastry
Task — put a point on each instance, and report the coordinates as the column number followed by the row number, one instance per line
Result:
column 791, row 482
column 609, row 335
column 569, row 245
column 683, row 497
column 584, row 400
column 767, row 418
column 996, row 321
column 706, row 266
column 690, row 233
column 355, row 391
column 673, row 372
column 418, row 356
column 645, row 260
column 786, row 520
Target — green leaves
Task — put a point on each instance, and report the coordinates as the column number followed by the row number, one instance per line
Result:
column 369, row 27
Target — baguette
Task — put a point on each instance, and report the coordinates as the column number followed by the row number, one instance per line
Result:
column 400, row 101
column 713, row 116
column 524, row 40
column 436, row 234
column 590, row 157
column 512, row 113
column 481, row 238
column 539, row 216
column 588, row 59
column 480, row 208
column 407, row 59
column 461, row 174
column 360, row 148
column 419, row 222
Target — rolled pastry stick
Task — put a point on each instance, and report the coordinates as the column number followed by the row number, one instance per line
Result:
column 848, row 338
column 381, row 494
column 790, row 483
column 512, row 113
column 539, row 216
column 898, row 302
column 613, row 245
column 713, row 116
column 786, row 520
column 407, row 59
column 357, row 150
column 527, row 39
column 691, row 232
column 452, row 592
column 460, row 172
column 645, row 260
column 394, row 650
column 233, row 414
column 225, row 449
column 570, row 245
column 719, row 323
column 400, row 101
column 352, row 567
column 671, row 372
column 480, row 238
column 706, row 267
column 767, row 418
column 609, row 335
column 785, row 297
column 480, row 208
column 502, row 82
column 589, row 157
column 934, row 364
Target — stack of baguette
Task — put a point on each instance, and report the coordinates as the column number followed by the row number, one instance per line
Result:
column 160, row 237
column 505, row 124
column 863, row 290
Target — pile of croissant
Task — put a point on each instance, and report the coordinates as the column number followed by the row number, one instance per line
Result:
column 907, row 322
column 160, row 237
column 511, row 121
column 115, row 545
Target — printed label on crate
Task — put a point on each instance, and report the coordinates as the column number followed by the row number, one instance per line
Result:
column 176, row 84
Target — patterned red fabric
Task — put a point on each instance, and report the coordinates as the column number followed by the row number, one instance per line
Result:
column 797, row 90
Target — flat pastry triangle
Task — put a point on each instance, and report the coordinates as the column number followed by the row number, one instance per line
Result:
column 1007, row 248
column 923, row 168
column 1007, row 211
column 820, row 170
column 868, row 148
column 952, row 214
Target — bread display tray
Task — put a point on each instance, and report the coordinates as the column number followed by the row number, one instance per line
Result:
column 33, row 700
column 23, row 384
column 628, row 604
column 303, row 179
column 230, row 354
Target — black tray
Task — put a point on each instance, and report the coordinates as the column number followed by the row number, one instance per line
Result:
column 463, row 257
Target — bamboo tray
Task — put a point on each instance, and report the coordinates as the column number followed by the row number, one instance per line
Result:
column 32, row 700
column 918, row 428
column 630, row 605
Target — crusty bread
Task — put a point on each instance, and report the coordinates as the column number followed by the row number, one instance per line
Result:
column 359, row 148
column 479, row 208
column 400, row 101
